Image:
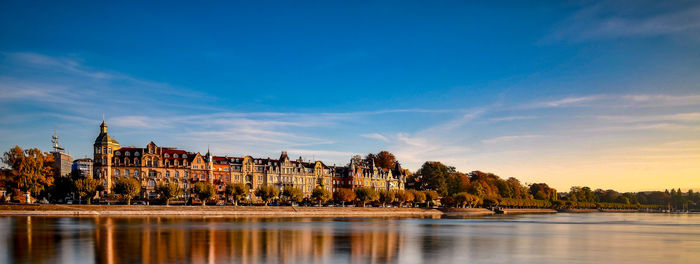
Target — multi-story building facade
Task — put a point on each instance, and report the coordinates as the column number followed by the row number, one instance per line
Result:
column 361, row 175
column 62, row 160
column 84, row 166
column 152, row 165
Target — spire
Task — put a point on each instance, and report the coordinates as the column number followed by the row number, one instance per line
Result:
column 103, row 126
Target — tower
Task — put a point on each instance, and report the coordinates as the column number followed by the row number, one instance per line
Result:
column 103, row 154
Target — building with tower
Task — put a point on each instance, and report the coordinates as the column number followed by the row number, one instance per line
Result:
column 63, row 162
column 152, row 165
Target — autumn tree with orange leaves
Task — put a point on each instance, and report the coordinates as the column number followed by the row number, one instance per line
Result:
column 31, row 171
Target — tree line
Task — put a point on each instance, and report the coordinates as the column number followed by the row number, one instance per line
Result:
column 31, row 172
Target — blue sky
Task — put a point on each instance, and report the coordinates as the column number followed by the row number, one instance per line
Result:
column 597, row 93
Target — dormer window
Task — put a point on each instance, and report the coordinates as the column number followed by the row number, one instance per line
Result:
column 184, row 156
column 166, row 155
column 127, row 153
column 175, row 155
column 117, row 153
column 136, row 154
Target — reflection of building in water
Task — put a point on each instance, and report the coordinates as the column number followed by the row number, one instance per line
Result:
column 168, row 240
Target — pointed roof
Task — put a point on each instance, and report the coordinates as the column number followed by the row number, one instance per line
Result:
column 103, row 138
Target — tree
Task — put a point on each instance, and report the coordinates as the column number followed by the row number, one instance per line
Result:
column 167, row 191
column 238, row 191
column 267, row 193
column 383, row 159
column 418, row 196
column 204, row 191
column 463, row 199
column 404, row 197
column 344, row 195
column 62, row 188
column 128, row 188
column 293, row 194
column 356, row 159
column 433, row 176
column 457, row 182
column 542, row 191
column 86, row 188
column 386, row 197
column 365, row 195
column 321, row 195
column 430, row 197
column 31, row 171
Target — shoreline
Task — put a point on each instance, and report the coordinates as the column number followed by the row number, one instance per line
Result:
column 214, row 211
column 271, row 211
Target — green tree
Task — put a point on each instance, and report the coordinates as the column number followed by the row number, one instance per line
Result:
column 168, row 191
column 365, row 195
column 127, row 188
column 204, row 191
column 31, row 171
column 238, row 191
column 292, row 194
column 430, row 197
column 344, row 195
column 433, row 176
column 86, row 188
column 267, row 193
column 386, row 197
column 321, row 195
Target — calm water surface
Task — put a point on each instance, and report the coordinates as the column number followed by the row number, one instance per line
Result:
column 560, row 238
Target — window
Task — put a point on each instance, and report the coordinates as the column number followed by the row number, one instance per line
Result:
column 97, row 150
column 151, row 183
column 110, row 150
column 104, row 150
column 150, row 151
column 150, row 163
column 116, row 173
column 195, row 166
column 127, row 154
column 136, row 174
column 136, row 154
column 104, row 161
column 186, row 173
column 177, row 174
column 175, row 155
column 166, row 155
column 117, row 153
column 167, row 174
column 184, row 156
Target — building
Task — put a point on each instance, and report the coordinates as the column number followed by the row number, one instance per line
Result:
column 153, row 165
column 357, row 174
column 63, row 162
column 84, row 166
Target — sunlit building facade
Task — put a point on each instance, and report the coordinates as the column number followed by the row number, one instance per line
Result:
column 152, row 165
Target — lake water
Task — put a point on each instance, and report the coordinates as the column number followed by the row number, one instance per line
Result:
column 555, row 238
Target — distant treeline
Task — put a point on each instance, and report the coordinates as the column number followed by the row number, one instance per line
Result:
column 487, row 189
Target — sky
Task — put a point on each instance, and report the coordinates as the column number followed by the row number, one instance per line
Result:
column 603, row 94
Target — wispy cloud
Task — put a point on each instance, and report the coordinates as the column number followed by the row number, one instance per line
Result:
column 618, row 19
column 568, row 101
column 503, row 139
column 376, row 136
column 511, row 118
